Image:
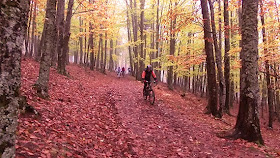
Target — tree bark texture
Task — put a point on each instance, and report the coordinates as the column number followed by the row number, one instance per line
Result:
column 12, row 33
column 48, row 47
column 248, row 126
column 211, row 71
column 221, row 81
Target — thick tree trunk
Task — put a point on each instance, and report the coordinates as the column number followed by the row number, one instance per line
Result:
column 227, row 58
column 248, row 126
column 211, row 72
column 221, row 81
column 13, row 19
column 50, row 33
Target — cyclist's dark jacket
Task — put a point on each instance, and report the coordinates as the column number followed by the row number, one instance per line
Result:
column 146, row 75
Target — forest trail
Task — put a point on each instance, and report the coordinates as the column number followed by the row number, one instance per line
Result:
column 96, row 115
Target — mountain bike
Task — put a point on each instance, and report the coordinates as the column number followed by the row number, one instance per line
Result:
column 149, row 92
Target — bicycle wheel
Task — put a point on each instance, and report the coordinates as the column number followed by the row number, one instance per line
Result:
column 144, row 94
column 152, row 97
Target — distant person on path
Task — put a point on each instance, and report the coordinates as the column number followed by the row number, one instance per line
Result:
column 123, row 71
column 147, row 74
column 119, row 72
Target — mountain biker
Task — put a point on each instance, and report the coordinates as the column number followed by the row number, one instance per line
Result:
column 123, row 71
column 147, row 74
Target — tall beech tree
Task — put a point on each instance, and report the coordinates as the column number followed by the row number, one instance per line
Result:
column 65, row 52
column 48, row 47
column 12, row 33
column 211, row 71
column 247, row 125
column 221, row 81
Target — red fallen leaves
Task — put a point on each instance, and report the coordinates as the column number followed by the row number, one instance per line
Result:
column 77, row 120
column 92, row 115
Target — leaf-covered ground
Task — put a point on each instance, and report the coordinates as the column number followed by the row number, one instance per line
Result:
column 96, row 115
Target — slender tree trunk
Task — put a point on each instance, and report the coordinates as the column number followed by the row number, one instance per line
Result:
column 111, row 62
column 157, row 41
column 105, row 54
column 221, row 81
column 91, row 44
column 142, row 36
column 102, row 54
column 130, row 40
column 99, row 51
column 227, row 58
column 267, row 65
column 135, row 38
column 27, row 35
column 50, row 33
column 33, row 37
column 247, row 125
column 76, row 53
column 81, row 41
column 211, row 72
column 41, row 44
column 172, row 47
column 85, row 46
column 61, row 26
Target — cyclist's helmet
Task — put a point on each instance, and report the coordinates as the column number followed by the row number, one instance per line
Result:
column 149, row 68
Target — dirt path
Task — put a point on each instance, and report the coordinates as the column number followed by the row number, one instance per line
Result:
column 161, row 130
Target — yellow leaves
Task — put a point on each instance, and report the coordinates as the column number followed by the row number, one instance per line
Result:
column 234, row 51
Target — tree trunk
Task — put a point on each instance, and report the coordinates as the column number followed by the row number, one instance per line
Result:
column 221, row 81
column 33, row 36
column 227, row 58
column 172, row 46
column 105, row 54
column 111, row 62
column 27, row 35
column 65, row 57
column 142, row 36
column 61, row 26
column 81, row 41
column 157, row 41
column 12, row 34
column 135, row 38
column 99, row 50
column 102, row 54
column 91, row 44
column 50, row 33
column 268, row 80
column 211, row 72
column 247, row 125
